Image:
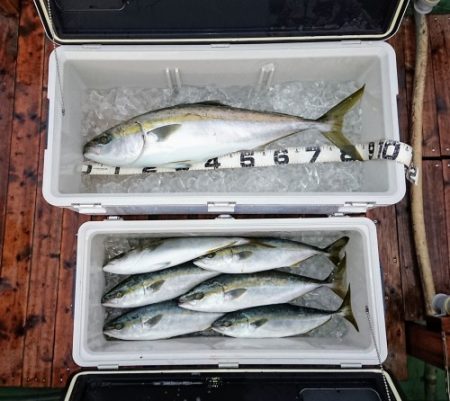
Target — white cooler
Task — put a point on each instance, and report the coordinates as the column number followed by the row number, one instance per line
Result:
column 116, row 43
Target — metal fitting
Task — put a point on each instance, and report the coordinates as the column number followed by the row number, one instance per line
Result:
column 425, row 6
column 441, row 304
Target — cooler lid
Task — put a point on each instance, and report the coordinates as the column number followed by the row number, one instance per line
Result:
column 179, row 21
column 238, row 385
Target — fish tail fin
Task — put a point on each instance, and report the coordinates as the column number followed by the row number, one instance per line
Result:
column 334, row 250
column 345, row 310
column 336, row 280
column 335, row 117
column 339, row 272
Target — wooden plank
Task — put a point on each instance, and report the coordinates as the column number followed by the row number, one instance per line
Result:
column 412, row 299
column 427, row 344
column 409, row 54
column 440, row 49
column 389, row 259
column 9, row 28
column 446, row 173
column 21, row 195
column 9, row 8
column 63, row 364
column 434, row 211
column 431, row 146
column 39, row 339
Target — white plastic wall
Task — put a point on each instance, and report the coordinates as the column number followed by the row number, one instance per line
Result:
column 372, row 64
column 363, row 274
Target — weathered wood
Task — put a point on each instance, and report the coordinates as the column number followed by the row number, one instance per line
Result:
column 409, row 52
column 39, row 339
column 409, row 273
column 21, row 198
column 389, row 258
column 427, row 343
column 440, row 51
column 63, row 364
column 431, row 142
column 9, row 8
column 434, row 205
column 446, row 174
column 8, row 53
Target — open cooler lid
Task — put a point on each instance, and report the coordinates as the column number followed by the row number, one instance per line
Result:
column 165, row 21
column 239, row 385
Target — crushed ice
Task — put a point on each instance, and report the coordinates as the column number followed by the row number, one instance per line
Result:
column 105, row 108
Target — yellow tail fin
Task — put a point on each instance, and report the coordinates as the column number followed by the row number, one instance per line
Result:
column 335, row 117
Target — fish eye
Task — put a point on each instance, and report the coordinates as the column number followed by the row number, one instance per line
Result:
column 119, row 294
column 211, row 255
column 105, row 138
column 198, row 296
column 118, row 326
column 226, row 323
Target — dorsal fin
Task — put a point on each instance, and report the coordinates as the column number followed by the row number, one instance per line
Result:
column 212, row 103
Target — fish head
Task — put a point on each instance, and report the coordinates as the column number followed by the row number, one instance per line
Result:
column 239, row 324
column 124, row 295
column 203, row 297
column 121, row 328
column 124, row 263
column 132, row 325
column 232, row 324
column 219, row 259
column 114, row 297
column 117, row 146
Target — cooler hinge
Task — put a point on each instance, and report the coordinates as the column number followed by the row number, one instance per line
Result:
column 92, row 46
column 221, row 207
column 108, row 367
column 89, row 208
column 360, row 205
column 351, row 365
column 228, row 365
column 351, row 42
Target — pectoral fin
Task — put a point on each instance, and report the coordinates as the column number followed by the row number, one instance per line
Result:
column 156, row 285
column 162, row 133
column 234, row 294
column 259, row 322
column 244, row 255
column 152, row 321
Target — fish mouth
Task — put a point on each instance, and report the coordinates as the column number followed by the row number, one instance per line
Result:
column 110, row 268
column 109, row 303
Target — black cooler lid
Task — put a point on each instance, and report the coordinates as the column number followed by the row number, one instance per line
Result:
column 312, row 385
column 165, row 21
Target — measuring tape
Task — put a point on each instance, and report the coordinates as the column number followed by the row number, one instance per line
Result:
column 381, row 150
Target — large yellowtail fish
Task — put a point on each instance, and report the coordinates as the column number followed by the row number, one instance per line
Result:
column 182, row 135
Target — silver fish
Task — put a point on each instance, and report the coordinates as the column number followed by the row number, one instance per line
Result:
column 158, row 321
column 276, row 321
column 150, row 288
column 166, row 252
column 266, row 254
column 227, row 293
column 182, row 135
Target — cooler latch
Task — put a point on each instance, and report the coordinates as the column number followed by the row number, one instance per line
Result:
column 351, row 365
column 357, row 207
column 228, row 365
column 221, row 207
column 108, row 367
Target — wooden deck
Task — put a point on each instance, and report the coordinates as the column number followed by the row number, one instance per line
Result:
column 37, row 241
